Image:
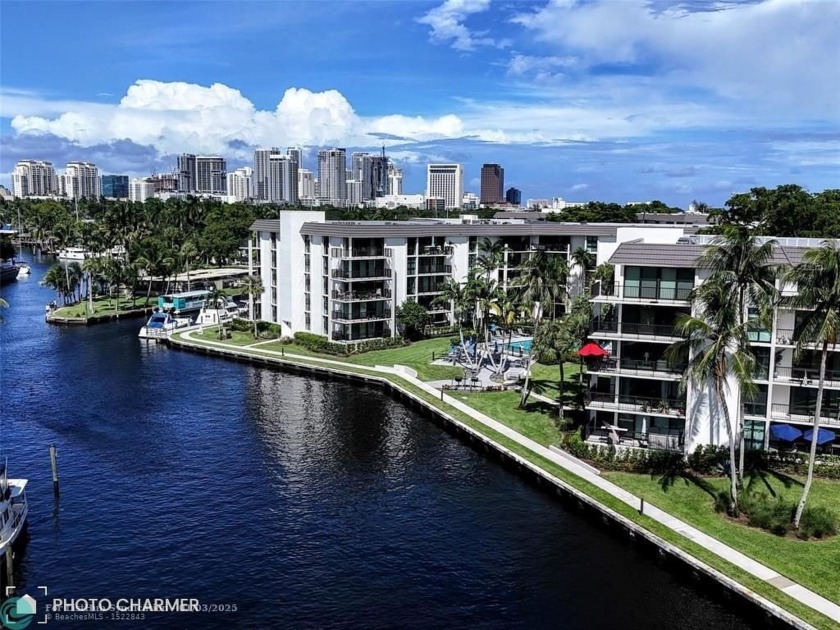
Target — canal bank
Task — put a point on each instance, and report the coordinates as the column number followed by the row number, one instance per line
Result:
column 704, row 556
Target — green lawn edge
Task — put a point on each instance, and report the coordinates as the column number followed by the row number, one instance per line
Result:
column 754, row 584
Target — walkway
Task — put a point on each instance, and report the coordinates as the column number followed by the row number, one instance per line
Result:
column 796, row 591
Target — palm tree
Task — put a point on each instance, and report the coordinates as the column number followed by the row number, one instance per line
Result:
column 57, row 279
column 253, row 287
column 585, row 260
column 817, row 279
column 508, row 309
column 452, row 292
column 742, row 263
column 188, row 253
column 92, row 268
column 714, row 340
column 541, row 281
column 217, row 300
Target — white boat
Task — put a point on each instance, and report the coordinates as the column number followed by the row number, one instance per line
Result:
column 23, row 269
column 160, row 324
column 222, row 311
column 74, row 253
column 183, row 303
column 13, row 509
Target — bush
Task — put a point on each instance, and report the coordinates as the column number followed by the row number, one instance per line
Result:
column 241, row 325
column 817, row 522
column 765, row 513
column 320, row 344
column 377, row 344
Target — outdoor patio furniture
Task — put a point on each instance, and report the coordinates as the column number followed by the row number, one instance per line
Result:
column 474, row 382
column 458, row 380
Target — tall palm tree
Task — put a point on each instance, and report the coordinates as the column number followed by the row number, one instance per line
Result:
column 714, row 339
column 817, row 279
column 585, row 260
column 743, row 263
column 508, row 309
column 253, row 287
column 452, row 292
column 217, row 300
column 188, row 253
column 542, row 280
column 57, row 279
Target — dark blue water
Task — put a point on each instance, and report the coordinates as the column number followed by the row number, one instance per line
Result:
column 306, row 504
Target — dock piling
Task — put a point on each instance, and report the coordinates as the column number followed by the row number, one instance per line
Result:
column 54, row 465
column 10, row 567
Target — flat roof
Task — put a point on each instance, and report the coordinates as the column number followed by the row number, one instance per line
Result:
column 443, row 227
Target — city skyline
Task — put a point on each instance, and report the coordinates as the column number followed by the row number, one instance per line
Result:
column 629, row 101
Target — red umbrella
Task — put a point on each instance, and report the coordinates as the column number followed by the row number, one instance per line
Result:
column 592, row 349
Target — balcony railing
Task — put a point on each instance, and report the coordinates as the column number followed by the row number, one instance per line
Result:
column 361, row 274
column 341, row 316
column 803, row 413
column 637, row 365
column 651, row 291
column 434, row 250
column 433, row 269
column 784, row 337
column 660, row 439
column 361, row 296
column 630, row 329
column 659, row 406
column 347, row 337
column 360, row 252
column 806, row 376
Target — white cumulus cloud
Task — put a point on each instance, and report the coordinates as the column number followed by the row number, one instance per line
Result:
column 447, row 24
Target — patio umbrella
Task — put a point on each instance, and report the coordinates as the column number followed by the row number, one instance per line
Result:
column 592, row 349
column 822, row 437
column 785, row 432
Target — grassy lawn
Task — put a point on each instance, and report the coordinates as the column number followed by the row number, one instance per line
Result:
column 237, row 338
column 417, row 356
column 537, row 421
column 814, row 564
column 102, row 306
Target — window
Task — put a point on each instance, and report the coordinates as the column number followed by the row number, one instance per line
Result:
column 307, row 323
column 412, row 266
column 307, row 283
column 592, row 244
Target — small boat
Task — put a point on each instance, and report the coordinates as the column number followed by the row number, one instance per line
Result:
column 222, row 311
column 8, row 272
column 23, row 269
column 13, row 509
column 161, row 323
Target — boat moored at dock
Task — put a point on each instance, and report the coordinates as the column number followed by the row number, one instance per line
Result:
column 13, row 509
column 185, row 303
column 161, row 323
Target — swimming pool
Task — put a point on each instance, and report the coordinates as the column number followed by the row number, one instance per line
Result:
column 519, row 347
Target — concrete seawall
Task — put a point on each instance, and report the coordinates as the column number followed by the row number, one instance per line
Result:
column 761, row 610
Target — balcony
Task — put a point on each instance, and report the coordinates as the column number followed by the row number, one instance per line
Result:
column 435, row 250
column 349, row 337
column 809, row 377
column 355, row 253
column 434, row 269
column 440, row 307
column 361, row 274
column 648, row 292
column 658, row 439
column 354, row 318
column 662, row 332
column 800, row 413
column 667, row 407
column 361, row 296
column 638, row 367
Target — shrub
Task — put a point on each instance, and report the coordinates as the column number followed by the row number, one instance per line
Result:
column 241, row 325
column 319, row 343
column 817, row 522
column 765, row 513
column 377, row 344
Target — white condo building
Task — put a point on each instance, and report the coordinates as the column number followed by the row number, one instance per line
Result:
column 239, row 184
column 34, row 178
column 140, row 190
column 445, row 181
column 306, row 184
column 81, row 179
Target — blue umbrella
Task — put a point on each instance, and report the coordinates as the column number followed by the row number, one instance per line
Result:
column 785, row 432
column 822, row 437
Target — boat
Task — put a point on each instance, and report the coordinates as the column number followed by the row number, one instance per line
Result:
column 183, row 303
column 223, row 311
column 13, row 509
column 8, row 271
column 74, row 253
column 161, row 323
column 23, row 269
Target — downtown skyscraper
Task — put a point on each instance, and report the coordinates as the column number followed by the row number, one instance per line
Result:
column 445, row 181
column 492, row 184
column 332, row 176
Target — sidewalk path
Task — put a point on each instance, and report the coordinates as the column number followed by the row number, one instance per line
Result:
column 794, row 590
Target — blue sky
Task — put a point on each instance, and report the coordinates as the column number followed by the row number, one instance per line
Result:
column 614, row 100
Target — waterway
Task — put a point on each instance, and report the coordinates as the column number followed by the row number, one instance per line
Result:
column 303, row 503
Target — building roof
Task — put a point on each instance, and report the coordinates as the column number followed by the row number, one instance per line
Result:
column 655, row 218
column 440, row 227
column 686, row 254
